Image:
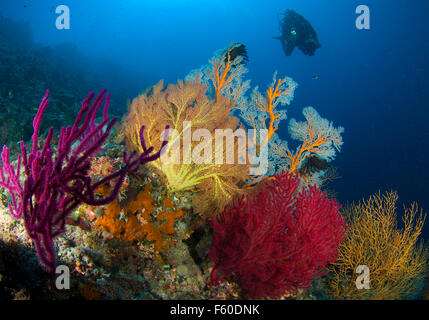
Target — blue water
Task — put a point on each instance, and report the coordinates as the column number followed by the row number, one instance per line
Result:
column 372, row 82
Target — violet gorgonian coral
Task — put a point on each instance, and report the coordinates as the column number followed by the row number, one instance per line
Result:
column 56, row 183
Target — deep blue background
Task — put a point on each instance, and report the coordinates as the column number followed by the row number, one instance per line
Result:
column 372, row 82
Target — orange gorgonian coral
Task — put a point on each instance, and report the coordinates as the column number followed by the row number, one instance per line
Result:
column 318, row 136
column 226, row 74
column 273, row 94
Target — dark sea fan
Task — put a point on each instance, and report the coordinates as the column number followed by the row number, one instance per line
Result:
column 236, row 50
column 313, row 164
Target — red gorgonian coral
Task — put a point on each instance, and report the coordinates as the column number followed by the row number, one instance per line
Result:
column 276, row 241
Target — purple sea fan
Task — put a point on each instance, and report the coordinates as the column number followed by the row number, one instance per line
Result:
column 53, row 186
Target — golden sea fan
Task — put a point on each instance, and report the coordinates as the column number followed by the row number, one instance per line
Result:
column 185, row 107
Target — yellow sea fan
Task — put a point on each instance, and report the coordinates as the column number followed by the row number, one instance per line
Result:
column 397, row 263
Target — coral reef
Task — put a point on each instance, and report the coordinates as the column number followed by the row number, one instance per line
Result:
column 103, row 268
column 127, row 230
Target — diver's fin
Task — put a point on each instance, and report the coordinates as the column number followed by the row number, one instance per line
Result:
column 288, row 47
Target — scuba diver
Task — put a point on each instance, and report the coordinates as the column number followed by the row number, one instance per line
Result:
column 296, row 31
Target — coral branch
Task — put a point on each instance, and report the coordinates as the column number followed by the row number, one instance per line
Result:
column 271, row 101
